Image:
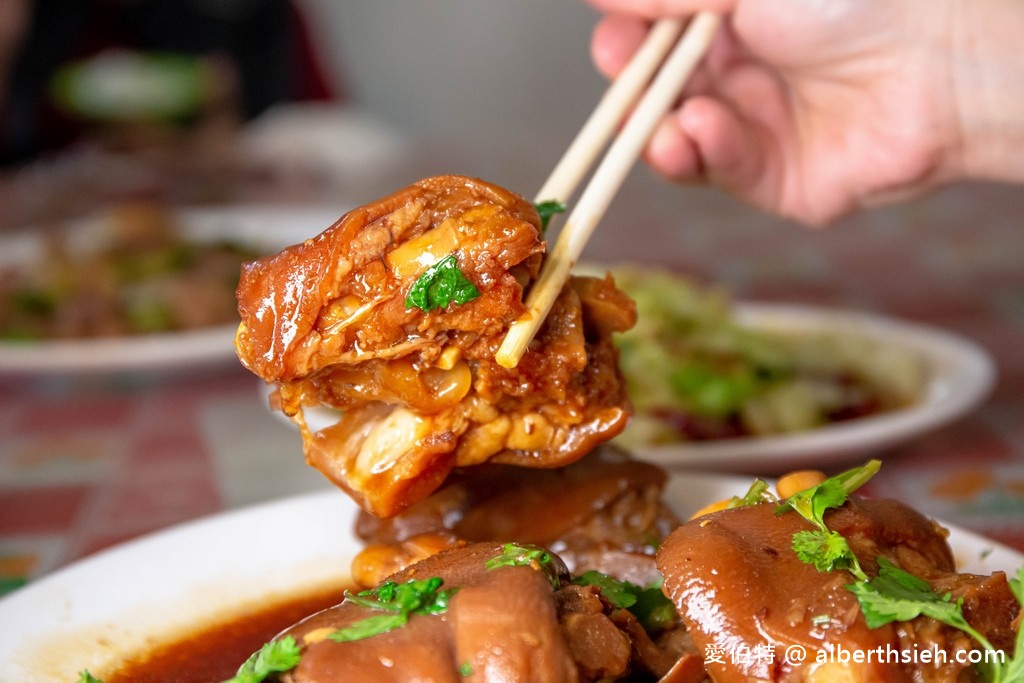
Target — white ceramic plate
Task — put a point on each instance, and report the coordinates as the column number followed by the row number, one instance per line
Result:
column 959, row 375
column 266, row 228
column 95, row 612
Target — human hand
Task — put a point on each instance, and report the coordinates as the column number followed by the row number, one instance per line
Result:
column 806, row 108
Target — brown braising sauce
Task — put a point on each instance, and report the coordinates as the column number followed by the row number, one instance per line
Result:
column 213, row 653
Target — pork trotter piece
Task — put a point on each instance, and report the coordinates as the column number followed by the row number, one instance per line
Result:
column 392, row 316
column 748, row 600
column 603, row 512
column 510, row 614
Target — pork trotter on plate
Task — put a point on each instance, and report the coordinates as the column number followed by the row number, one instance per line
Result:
column 488, row 612
column 758, row 610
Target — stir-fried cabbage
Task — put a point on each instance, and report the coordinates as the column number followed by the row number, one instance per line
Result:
column 695, row 372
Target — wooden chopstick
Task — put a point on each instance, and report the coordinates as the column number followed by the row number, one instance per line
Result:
column 609, row 112
column 607, row 178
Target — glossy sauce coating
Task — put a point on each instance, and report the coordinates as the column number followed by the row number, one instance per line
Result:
column 603, row 512
column 419, row 392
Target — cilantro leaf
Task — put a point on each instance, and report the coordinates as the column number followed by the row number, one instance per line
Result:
column 1013, row 670
column 649, row 605
column 1017, row 586
column 513, row 555
column 897, row 595
column 654, row 610
column 546, row 210
column 757, row 493
column 414, row 595
column 827, row 550
column 621, row 594
column 370, row 626
column 275, row 657
column 812, row 503
column 893, row 595
column 399, row 601
column 85, row 677
column 440, row 285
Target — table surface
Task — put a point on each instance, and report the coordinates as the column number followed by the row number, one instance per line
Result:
column 88, row 462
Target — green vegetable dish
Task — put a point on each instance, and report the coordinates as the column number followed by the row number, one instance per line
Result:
column 696, row 372
column 139, row 275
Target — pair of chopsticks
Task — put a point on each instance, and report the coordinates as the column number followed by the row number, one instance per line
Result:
column 599, row 128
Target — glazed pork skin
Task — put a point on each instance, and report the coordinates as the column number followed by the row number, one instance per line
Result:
column 507, row 623
column 603, row 512
column 340, row 296
column 501, row 624
column 419, row 392
column 737, row 583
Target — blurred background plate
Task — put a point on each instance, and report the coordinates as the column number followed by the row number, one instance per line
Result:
column 265, row 229
column 88, row 616
column 958, row 376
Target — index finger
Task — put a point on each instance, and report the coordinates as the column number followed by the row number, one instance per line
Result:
column 655, row 9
